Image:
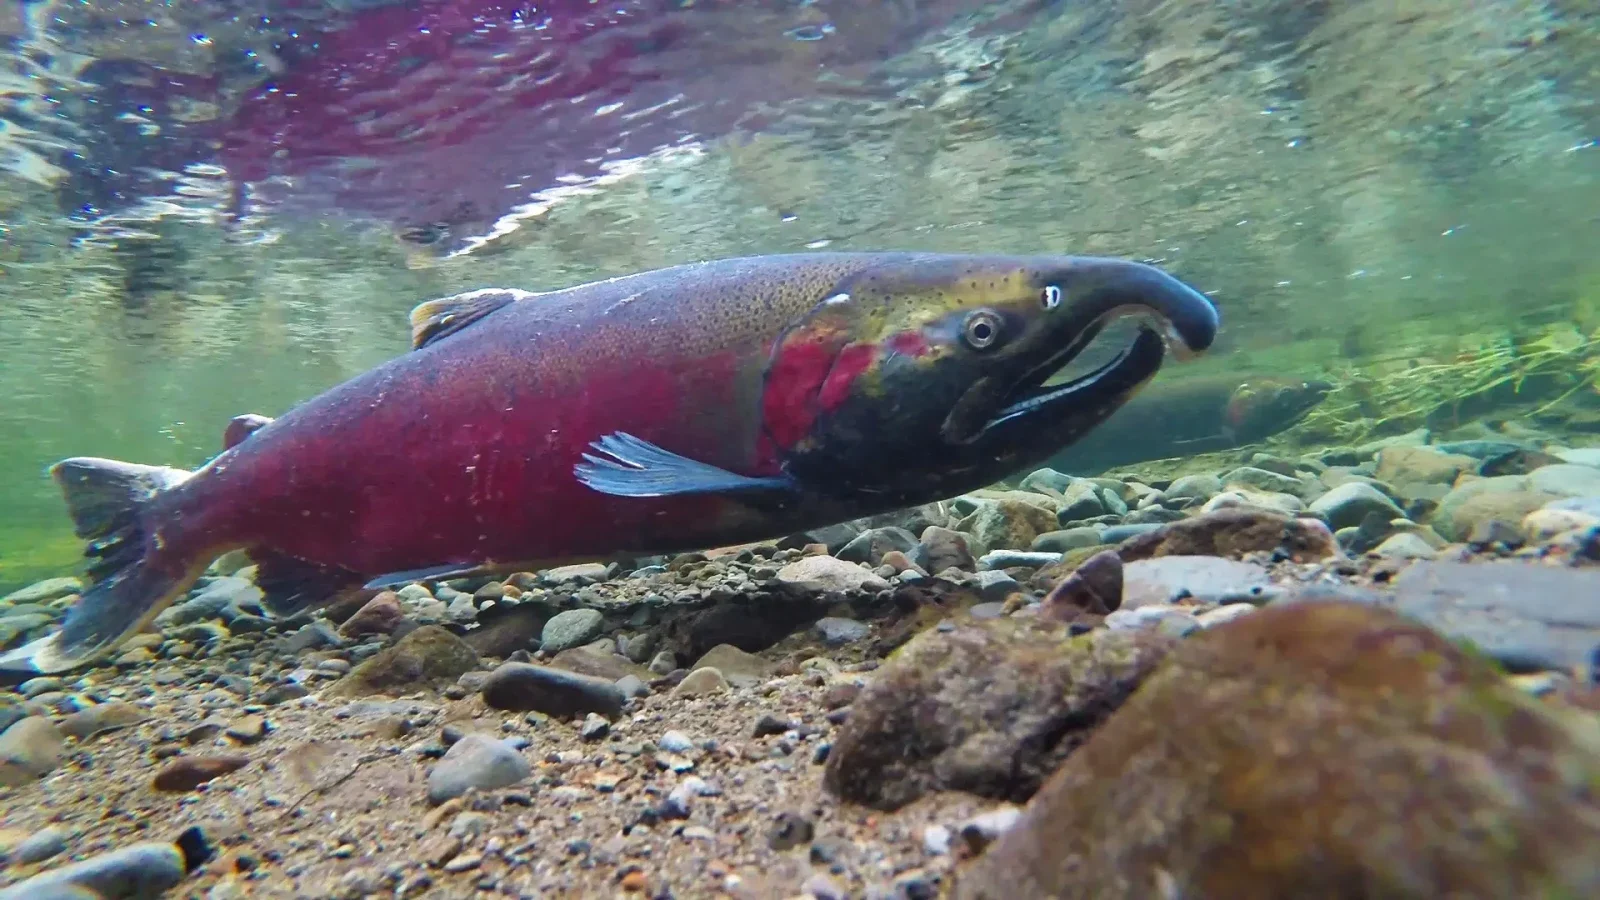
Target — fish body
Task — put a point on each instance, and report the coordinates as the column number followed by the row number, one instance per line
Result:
column 1193, row 415
column 701, row 405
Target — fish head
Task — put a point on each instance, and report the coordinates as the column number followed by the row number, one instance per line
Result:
column 936, row 368
column 1263, row 406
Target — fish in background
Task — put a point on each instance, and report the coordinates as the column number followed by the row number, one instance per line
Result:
column 696, row 406
column 1188, row 416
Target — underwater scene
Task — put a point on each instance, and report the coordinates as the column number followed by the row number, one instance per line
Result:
column 799, row 449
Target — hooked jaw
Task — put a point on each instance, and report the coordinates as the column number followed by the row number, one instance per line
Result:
column 1177, row 317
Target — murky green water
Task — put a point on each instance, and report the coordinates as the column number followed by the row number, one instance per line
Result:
column 1387, row 194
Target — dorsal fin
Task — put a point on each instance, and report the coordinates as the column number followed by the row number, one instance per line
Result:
column 434, row 319
column 241, row 427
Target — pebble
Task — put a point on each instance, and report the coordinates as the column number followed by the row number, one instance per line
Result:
column 1225, row 613
column 29, row 749
column 189, row 772
column 595, row 727
column 572, row 628
column 40, row 846
column 675, row 742
column 701, row 682
column 1348, row 504
column 829, row 575
column 556, row 692
column 142, row 870
column 834, row 631
column 475, row 761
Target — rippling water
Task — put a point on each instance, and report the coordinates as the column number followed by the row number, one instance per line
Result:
column 220, row 207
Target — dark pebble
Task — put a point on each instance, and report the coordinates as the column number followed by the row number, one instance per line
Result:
column 556, row 692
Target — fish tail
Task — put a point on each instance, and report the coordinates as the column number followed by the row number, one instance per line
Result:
column 133, row 573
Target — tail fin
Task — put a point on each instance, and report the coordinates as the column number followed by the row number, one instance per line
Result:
column 109, row 502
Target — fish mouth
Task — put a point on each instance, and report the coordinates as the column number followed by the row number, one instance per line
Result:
column 1006, row 408
column 1030, row 395
column 995, row 405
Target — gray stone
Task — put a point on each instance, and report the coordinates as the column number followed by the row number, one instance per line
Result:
column 1082, row 501
column 828, row 574
column 1194, row 487
column 1566, row 480
column 42, row 591
column 1527, row 616
column 1405, row 545
column 870, row 546
column 1066, row 539
column 1029, row 559
column 29, row 749
column 144, row 870
column 1582, row 456
column 1207, row 579
column 1153, row 514
column 835, row 631
column 1346, row 505
column 476, row 761
column 40, row 846
column 1170, row 620
column 995, row 586
column 1049, row 480
column 1262, row 480
column 556, row 692
column 572, row 628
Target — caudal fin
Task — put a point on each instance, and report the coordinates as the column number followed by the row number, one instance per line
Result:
column 130, row 579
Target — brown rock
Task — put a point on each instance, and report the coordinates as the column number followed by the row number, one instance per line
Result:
column 380, row 615
column 1320, row 749
column 991, row 708
column 1094, row 588
column 941, row 548
column 427, row 655
column 505, row 632
column 189, row 772
column 1233, row 532
column 599, row 664
column 1414, row 465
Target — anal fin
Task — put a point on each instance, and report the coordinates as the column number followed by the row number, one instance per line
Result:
column 290, row 585
column 638, row 468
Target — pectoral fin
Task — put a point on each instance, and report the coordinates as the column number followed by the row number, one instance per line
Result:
column 638, row 468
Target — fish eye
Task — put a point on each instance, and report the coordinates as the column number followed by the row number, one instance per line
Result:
column 1050, row 297
column 981, row 330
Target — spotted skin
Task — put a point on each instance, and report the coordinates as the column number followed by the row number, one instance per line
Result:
column 842, row 377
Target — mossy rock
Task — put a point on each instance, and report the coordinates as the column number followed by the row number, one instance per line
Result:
column 990, row 707
column 420, row 660
column 1319, row 749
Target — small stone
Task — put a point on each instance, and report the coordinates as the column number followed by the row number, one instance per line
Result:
column 595, row 727
column 663, row 663
column 1225, row 613
column 1405, row 545
column 380, row 615
column 830, row 575
column 701, row 682
column 675, row 742
column 571, row 628
column 936, row 840
column 552, row 691
column 40, row 846
column 789, row 830
column 30, row 748
column 102, row 717
column 476, row 761
column 834, row 631
column 464, row 863
column 189, row 772
column 247, row 729
column 769, row 724
column 1346, row 505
